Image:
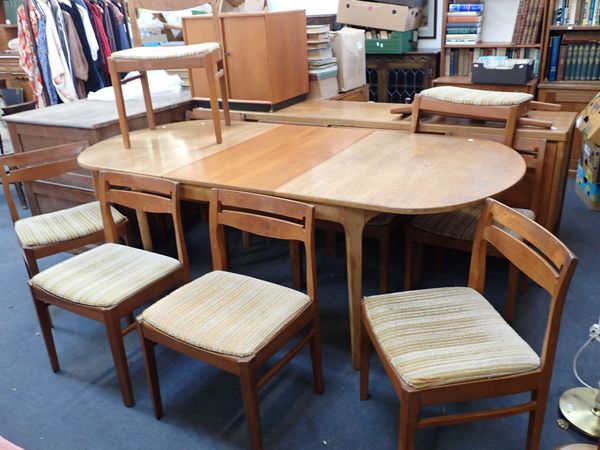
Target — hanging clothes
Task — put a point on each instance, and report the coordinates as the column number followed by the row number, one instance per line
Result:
column 78, row 62
column 27, row 55
column 42, row 45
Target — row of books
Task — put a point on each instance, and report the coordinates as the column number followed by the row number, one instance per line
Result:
column 528, row 24
column 459, row 61
column 322, row 65
column 576, row 12
column 573, row 61
column 463, row 23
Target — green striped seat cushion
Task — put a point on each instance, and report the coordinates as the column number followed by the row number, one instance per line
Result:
column 434, row 337
column 63, row 225
column 226, row 313
column 105, row 275
column 459, row 224
column 475, row 97
column 166, row 52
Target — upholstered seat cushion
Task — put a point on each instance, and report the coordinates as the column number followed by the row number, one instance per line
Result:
column 226, row 313
column 441, row 336
column 63, row 225
column 476, row 97
column 105, row 275
column 459, row 224
column 166, row 52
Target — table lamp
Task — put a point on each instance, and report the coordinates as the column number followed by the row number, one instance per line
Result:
column 580, row 406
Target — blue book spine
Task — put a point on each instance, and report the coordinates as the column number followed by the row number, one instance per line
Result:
column 460, row 7
column 554, row 52
column 591, row 12
column 452, row 64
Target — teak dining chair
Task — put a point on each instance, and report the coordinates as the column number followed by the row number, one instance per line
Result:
column 208, row 55
column 449, row 345
column 59, row 231
column 109, row 282
column 455, row 230
column 235, row 322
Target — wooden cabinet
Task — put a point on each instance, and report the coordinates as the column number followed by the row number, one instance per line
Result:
column 394, row 78
column 265, row 56
column 13, row 74
column 359, row 94
column 573, row 96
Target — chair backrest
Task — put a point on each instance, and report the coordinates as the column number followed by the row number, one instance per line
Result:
column 533, row 152
column 170, row 5
column 142, row 194
column 37, row 165
column 535, row 251
column 265, row 216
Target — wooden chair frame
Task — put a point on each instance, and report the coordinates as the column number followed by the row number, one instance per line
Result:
column 149, row 195
column 533, row 152
column 212, row 61
column 44, row 164
column 265, row 216
column 544, row 259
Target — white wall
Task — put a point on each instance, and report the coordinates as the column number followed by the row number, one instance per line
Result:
column 314, row 7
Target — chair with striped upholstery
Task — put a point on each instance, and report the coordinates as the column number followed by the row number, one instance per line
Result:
column 208, row 55
column 236, row 322
column 449, row 345
column 59, row 231
column 455, row 230
column 110, row 281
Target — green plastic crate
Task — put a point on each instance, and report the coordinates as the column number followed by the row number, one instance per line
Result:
column 398, row 43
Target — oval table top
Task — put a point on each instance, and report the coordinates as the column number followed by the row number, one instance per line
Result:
column 375, row 170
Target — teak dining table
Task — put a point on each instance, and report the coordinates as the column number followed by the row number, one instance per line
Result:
column 351, row 175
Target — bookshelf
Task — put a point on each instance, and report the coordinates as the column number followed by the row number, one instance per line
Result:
column 497, row 37
column 571, row 89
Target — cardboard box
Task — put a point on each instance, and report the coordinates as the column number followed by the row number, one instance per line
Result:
column 349, row 49
column 378, row 15
column 588, row 192
column 410, row 3
column 588, row 121
column 399, row 42
column 590, row 161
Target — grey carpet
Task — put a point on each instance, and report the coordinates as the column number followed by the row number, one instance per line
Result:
column 80, row 407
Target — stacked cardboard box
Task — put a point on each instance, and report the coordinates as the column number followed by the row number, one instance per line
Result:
column 322, row 65
column 588, row 169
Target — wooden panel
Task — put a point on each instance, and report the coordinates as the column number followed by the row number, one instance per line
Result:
column 286, row 49
column 359, row 94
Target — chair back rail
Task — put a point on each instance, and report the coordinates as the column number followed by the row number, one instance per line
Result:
column 264, row 216
column 142, row 194
column 534, row 251
column 37, row 165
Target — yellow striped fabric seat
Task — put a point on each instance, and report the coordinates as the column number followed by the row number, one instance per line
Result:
column 459, row 224
column 105, row 275
column 226, row 313
column 166, row 52
column 477, row 97
column 63, row 225
column 434, row 337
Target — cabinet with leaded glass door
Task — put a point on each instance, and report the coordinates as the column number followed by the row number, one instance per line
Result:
column 394, row 78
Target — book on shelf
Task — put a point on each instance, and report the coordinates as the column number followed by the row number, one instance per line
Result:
column 576, row 12
column 316, row 38
column 317, row 45
column 463, row 30
column 458, row 62
column 562, row 63
column 463, row 19
column 316, row 29
column 319, row 54
column 320, row 89
column 553, row 53
column 323, row 73
column 461, row 7
column 528, row 24
column 322, row 62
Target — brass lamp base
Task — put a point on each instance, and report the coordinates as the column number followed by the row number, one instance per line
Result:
column 578, row 406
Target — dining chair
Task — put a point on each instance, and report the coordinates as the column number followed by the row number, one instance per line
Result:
column 449, row 345
column 235, row 322
column 455, row 230
column 59, row 231
column 110, row 281
column 208, row 55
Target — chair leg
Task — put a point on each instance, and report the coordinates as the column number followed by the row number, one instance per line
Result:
column 43, row 315
column 115, row 79
column 211, row 79
column 21, row 194
column 511, row 296
column 224, row 93
column 384, row 260
column 296, row 259
column 409, row 416
column 536, row 419
column 151, row 373
column 249, row 386
column 315, row 354
column 409, row 248
column 117, row 347
column 365, row 356
column 246, row 242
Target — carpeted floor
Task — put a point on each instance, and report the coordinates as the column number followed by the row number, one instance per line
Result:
column 80, row 407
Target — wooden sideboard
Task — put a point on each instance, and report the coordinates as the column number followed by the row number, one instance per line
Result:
column 265, row 57
column 573, row 96
column 85, row 120
column 13, row 74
